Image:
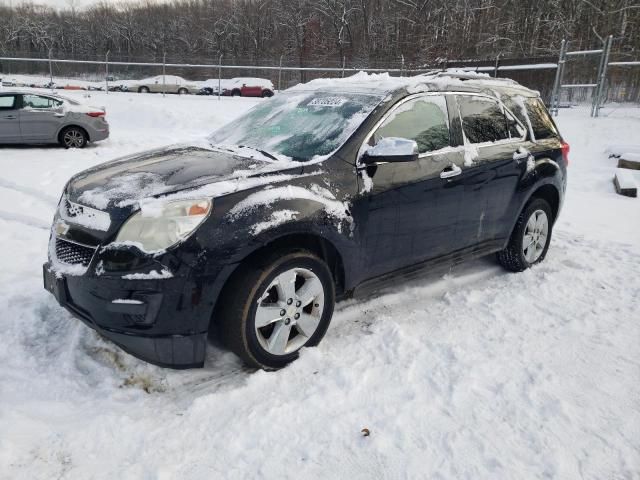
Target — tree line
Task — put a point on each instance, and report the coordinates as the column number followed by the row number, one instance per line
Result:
column 319, row 32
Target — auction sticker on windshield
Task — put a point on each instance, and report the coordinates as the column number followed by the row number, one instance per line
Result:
column 327, row 102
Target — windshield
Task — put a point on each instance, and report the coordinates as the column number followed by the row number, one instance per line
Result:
column 299, row 125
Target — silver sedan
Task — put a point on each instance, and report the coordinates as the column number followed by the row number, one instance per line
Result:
column 33, row 118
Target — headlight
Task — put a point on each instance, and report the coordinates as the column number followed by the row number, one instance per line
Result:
column 159, row 227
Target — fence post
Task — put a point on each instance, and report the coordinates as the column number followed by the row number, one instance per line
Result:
column 50, row 72
column 164, row 81
column 343, row 64
column 402, row 66
column 555, row 94
column 106, row 71
column 603, row 77
column 219, row 76
column 280, row 75
column 497, row 66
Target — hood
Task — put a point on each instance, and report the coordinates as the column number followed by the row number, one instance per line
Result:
column 124, row 183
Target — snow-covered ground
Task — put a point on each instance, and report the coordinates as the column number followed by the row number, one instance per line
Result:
column 477, row 374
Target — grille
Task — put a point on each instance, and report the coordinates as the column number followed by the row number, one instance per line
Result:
column 72, row 253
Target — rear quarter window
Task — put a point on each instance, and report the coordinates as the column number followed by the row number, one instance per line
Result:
column 536, row 114
column 541, row 123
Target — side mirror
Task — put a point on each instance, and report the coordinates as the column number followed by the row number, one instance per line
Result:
column 391, row 149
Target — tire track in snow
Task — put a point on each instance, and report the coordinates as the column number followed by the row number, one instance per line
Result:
column 25, row 220
column 32, row 192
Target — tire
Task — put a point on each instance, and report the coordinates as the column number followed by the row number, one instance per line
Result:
column 183, row 91
column 236, row 93
column 256, row 294
column 73, row 137
column 530, row 239
column 267, row 94
column 143, row 90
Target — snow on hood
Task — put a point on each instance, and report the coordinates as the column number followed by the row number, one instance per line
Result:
column 175, row 172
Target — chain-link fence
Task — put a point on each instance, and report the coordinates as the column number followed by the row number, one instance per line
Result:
column 622, row 85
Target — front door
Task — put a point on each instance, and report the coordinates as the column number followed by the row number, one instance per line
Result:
column 40, row 118
column 9, row 119
column 412, row 211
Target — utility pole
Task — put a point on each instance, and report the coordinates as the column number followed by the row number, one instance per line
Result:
column 164, row 63
column 106, row 71
column 50, row 71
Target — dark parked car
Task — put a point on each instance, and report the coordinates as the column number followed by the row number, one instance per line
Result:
column 325, row 189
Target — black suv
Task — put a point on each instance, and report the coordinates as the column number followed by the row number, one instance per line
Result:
column 332, row 186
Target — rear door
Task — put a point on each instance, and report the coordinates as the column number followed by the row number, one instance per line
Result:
column 493, row 139
column 9, row 119
column 41, row 117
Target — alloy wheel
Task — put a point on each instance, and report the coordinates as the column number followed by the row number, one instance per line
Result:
column 289, row 311
column 73, row 139
column 536, row 233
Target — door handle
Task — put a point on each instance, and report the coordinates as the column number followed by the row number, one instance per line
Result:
column 59, row 115
column 451, row 171
column 10, row 117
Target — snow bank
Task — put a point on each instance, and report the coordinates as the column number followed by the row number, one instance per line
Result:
column 618, row 149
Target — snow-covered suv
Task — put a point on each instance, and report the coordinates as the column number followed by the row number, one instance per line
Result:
column 333, row 186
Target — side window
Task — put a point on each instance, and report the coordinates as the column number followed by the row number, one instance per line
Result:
column 424, row 120
column 482, row 119
column 541, row 123
column 7, row 102
column 38, row 102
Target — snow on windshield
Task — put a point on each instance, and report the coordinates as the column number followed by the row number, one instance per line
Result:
column 302, row 126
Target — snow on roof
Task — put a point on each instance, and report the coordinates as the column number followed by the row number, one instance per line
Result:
column 431, row 81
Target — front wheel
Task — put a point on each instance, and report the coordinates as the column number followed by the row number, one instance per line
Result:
column 277, row 307
column 530, row 239
column 143, row 90
column 183, row 91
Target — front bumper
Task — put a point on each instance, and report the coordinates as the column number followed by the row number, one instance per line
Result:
column 165, row 324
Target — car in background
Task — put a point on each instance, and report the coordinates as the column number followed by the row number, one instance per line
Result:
column 330, row 187
column 211, row 86
column 248, row 87
column 33, row 118
column 163, row 83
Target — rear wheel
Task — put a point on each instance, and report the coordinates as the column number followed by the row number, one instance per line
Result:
column 275, row 308
column 530, row 238
column 236, row 93
column 73, row 137
column 183, row 91
column 267, row 94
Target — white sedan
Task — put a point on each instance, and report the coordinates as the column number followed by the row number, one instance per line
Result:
column 163, row 83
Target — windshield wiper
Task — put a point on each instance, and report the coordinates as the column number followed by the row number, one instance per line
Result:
column 263, row 152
